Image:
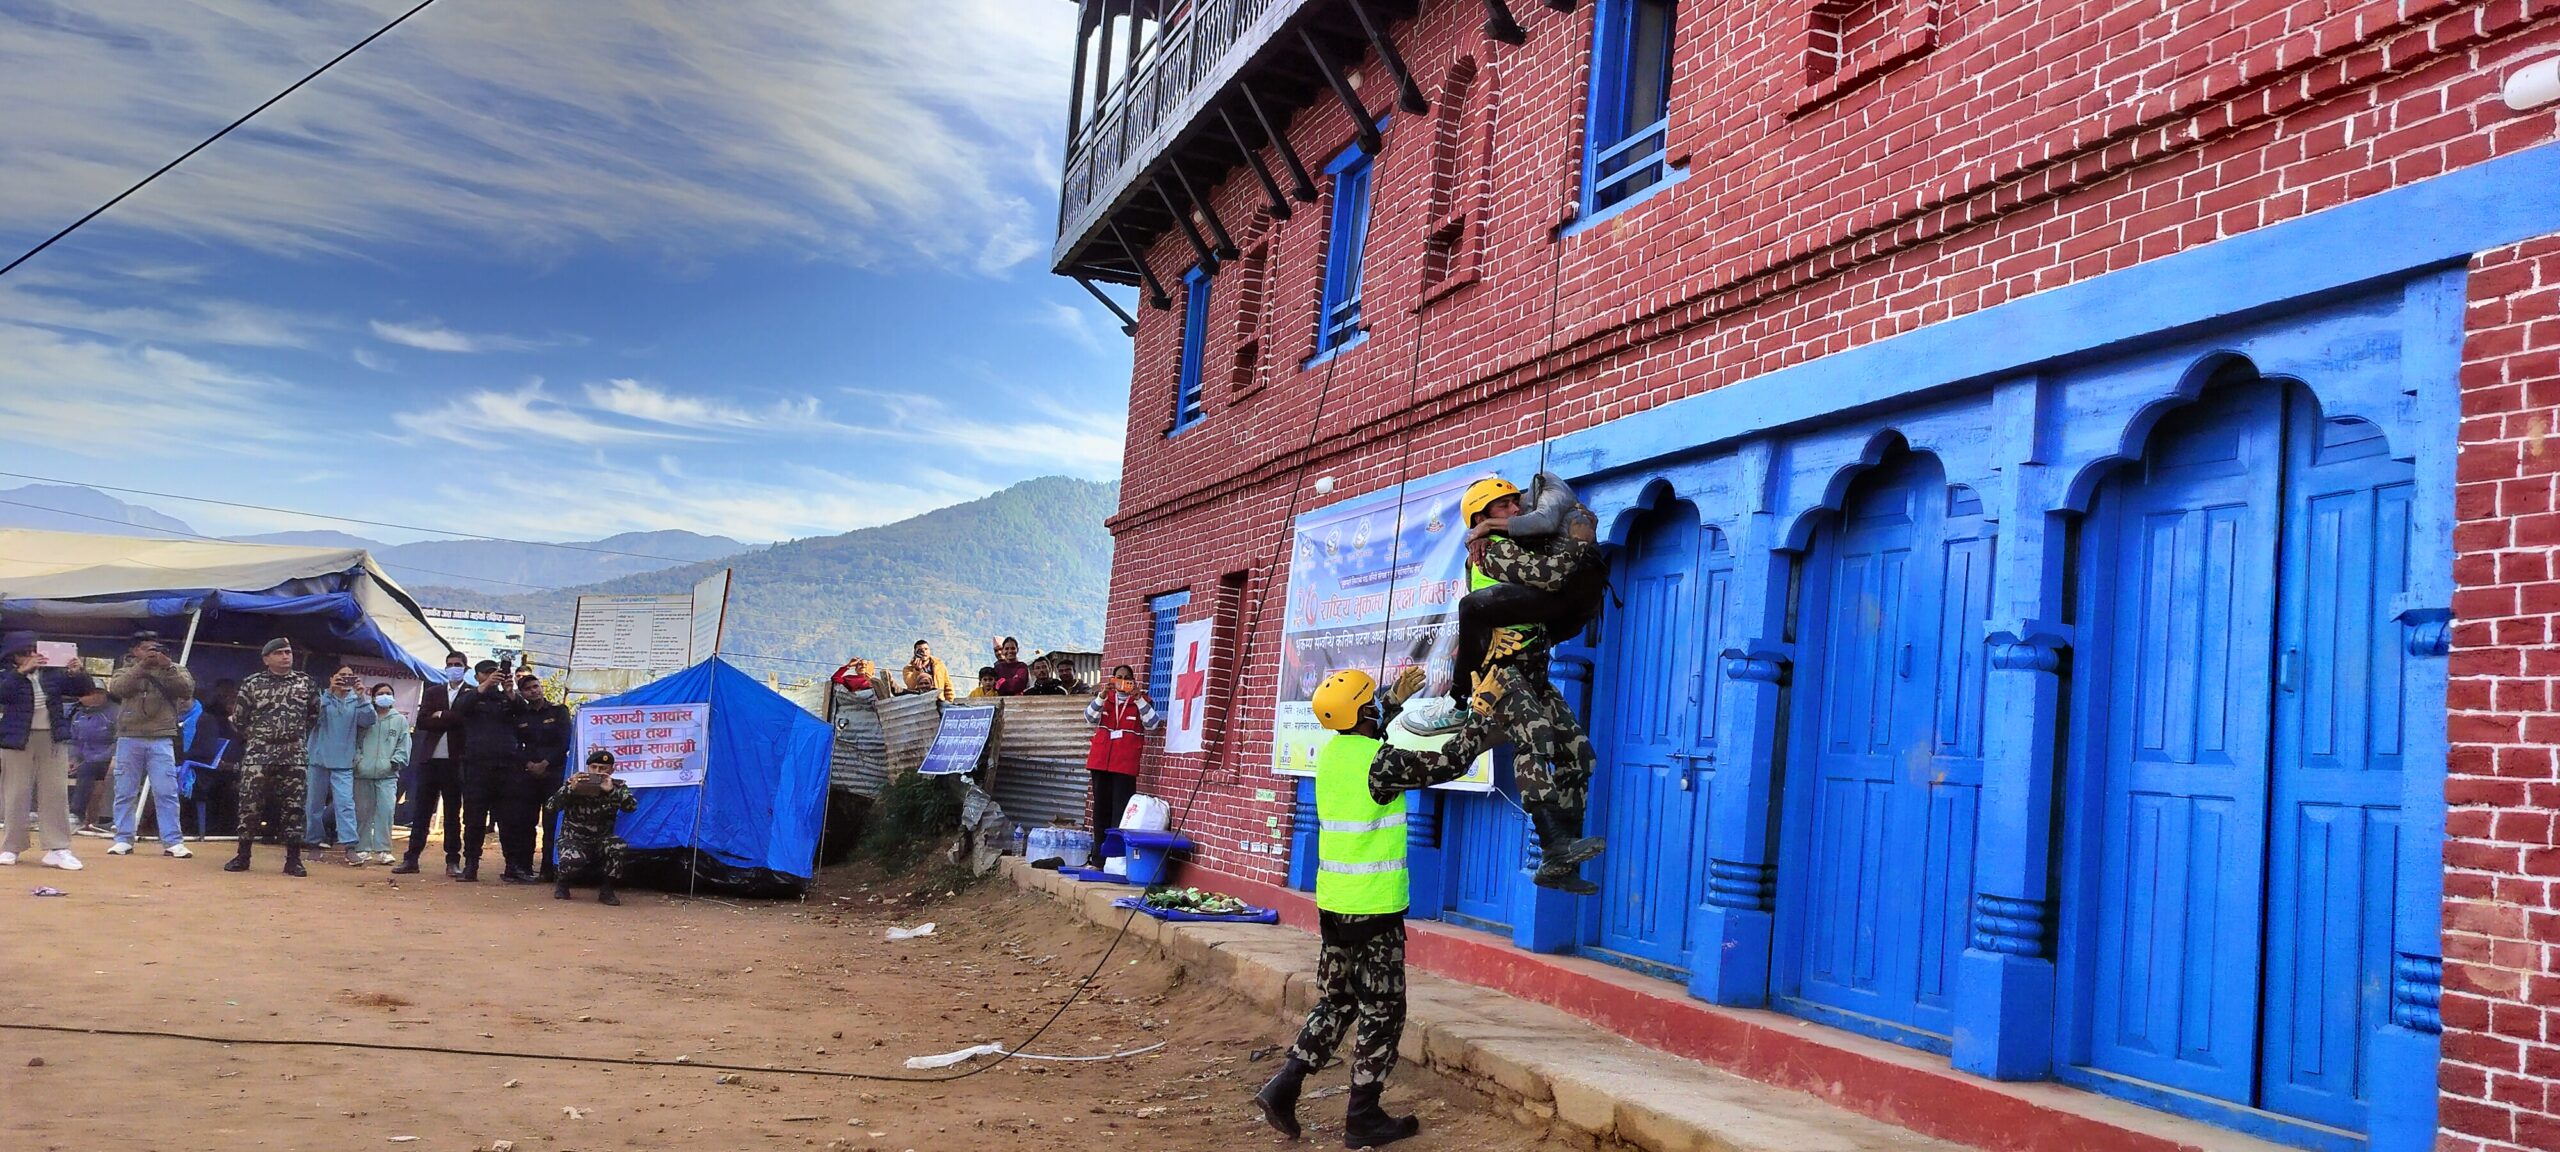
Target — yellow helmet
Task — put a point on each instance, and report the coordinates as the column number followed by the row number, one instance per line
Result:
column 1481, row 495
column 1342, row 696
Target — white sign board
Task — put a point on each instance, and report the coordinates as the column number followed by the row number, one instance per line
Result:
column 633, row 633
column 710, row 616
column 1187, row 714
column 480, row 635
column 653, row 745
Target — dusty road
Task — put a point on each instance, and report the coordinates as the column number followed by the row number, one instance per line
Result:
column 348, row 954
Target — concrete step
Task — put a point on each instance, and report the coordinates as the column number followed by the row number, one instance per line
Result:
column 1547, row 1067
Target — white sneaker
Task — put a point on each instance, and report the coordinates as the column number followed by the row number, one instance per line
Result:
column 8, row 859
column 62, row 859
column 176, row 852
column 122, row 848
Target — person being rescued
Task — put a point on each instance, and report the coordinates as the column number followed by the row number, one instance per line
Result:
column 1362, row 892
column 1534, row 574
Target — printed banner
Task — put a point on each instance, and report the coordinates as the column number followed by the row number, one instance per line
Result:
column 1187, row 714
column 654, row 745
column 960, row 741
column 1374, row 584
column 481, row 636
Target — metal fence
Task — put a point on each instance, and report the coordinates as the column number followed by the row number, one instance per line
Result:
column 1040, row 749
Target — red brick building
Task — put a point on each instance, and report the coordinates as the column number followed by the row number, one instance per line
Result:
column 2141, row 414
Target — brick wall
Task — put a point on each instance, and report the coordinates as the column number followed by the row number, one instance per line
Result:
column 2501, row 1007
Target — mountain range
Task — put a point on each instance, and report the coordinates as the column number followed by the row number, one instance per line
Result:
column 482, row 566
column 1031, row 561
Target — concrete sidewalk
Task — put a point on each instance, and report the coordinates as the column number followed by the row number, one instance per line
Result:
column 1550, row 1069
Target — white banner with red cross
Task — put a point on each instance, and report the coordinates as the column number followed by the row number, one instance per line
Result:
column 1187, row 714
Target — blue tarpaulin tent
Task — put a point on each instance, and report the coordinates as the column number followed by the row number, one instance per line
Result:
column 764, row 790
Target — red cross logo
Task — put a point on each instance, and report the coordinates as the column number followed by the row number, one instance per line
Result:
column 1190, row 685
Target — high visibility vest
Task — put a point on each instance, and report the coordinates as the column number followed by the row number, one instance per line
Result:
column 1360, row 868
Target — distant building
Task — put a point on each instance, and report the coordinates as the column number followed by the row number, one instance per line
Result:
column 2077, row 476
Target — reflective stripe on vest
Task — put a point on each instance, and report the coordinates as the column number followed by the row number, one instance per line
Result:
column 1360, row 843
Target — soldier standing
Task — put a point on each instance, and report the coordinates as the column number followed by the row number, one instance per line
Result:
column 589, row 805
column 274, row 711
column 1362, row 892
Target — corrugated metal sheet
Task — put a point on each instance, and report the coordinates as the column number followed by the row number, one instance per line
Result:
column 1040, row 748
column 861, row 761
column 908, row 724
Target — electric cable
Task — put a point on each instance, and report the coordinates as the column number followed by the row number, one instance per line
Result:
column 101, row 209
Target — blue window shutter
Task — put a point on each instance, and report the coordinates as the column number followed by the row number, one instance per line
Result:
column 1195, row 336
column 1160, row 660
column 1628, row 125
column 1346, row 248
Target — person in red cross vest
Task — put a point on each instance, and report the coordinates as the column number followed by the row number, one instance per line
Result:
column 1120, row 714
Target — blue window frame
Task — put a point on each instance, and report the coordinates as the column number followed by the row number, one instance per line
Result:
column 1623, row 150
column 1338, row 325
column 1195, row 336
column 1160, row 659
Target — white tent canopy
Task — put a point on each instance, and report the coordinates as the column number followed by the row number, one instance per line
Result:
column 62, row 577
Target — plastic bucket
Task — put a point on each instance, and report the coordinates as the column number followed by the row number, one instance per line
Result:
column 1151, row 855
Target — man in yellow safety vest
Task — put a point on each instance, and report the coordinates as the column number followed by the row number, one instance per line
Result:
column 1362, row 893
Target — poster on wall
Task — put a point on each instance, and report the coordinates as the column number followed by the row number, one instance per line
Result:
column 1186, row 715
column 654, row 745
column 1374, row 584
column 960, row 742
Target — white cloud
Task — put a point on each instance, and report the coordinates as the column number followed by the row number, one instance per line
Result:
column 641, row 402
column 367, row 358
column 429, row 336
column 603, row 495
column 1034, row 430
column 149, row 310
column 881, row 132
column 64, row 393
column 493, row 419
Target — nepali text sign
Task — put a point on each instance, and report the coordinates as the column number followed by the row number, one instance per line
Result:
column 650, row 634
column 1374, row 584
column 961, row 740
column 481, row 636
column 653, row 745
column 1187, row 714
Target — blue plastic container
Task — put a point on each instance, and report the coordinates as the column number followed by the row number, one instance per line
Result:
column 1150, row 854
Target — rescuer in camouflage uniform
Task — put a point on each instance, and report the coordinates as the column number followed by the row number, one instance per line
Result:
column 274, row 712
column 589, row 804
column 1361, row 897
column 1555, row 757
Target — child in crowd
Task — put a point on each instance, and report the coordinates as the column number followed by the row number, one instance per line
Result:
column 92, row 740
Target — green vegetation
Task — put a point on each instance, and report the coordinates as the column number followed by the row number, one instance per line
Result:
column 914, row 815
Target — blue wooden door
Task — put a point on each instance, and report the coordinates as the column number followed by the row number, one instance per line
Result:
column 2252, row 693
column 1646, row 792
column 2190, row 625
column 1878, row 886
column 2335, row 826
column 1482, row 837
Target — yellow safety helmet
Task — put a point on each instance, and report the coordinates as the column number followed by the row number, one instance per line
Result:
column 1481, row 495
column 1342, row 697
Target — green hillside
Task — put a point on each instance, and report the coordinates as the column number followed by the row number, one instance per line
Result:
column 1032, row 561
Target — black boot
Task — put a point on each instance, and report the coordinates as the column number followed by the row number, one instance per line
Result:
column 1367, row 1124
column 1565, row 848
column 293, row 860
column 470, row 872
column 560, row 891
column 408, row 866
column 453, row 867
column 1279, row 1098
column 239, row 861
column 604, row 894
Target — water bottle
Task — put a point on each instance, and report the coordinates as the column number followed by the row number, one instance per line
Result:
column 1021, row 840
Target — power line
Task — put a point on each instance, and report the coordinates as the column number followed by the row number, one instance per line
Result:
column 355, row 520
column 101, row 209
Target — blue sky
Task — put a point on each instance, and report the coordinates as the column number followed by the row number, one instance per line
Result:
column 765, row 268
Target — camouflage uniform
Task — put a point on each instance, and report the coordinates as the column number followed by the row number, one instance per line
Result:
column 587, row 837
column 274, row 716
column 1360, row 969
column 1555, row 753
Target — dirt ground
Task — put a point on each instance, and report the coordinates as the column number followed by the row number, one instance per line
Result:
column 145, row 942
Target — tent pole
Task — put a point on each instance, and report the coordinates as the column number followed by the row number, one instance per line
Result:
column 187, row 647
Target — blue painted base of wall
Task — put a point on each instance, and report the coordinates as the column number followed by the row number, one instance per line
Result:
column 1730, row 965
column 1543, row 919
column 2263, row 1125
column 2004, row 1016
column 2404, row 1088
column 1302, row 837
